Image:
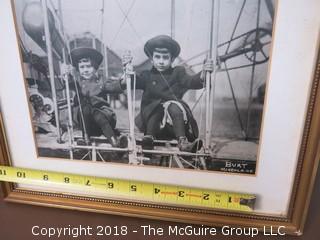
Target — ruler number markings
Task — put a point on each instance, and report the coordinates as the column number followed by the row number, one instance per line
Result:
column 158, row 192
column 3, row 172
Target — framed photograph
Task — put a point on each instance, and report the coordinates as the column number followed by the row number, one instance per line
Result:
column 210, row 94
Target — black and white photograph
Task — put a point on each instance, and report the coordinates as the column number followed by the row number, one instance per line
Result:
column 171, row 83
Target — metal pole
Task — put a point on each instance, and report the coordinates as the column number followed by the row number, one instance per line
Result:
column 132, row 148
column 105, row 57
column 94, row 152
column 214, row 58
column 105, row 51
column 173, row 18
column 60, row 16
column 50, row 64
column 210, row 86
column 131, row 119
column 104, row 46
column 70, row 123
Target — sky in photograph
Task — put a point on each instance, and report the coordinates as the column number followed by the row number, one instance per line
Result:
column 128, row 24
column 148, row 18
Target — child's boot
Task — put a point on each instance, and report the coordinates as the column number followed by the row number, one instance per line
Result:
column 185, row 146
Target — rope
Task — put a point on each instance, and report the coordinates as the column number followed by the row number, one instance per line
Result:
column 198, row 100
column 201, row 118
column 102, row 22
column 236, row 25
column 234, row 100
column 80, row 109
column 253, row 70
column 123, row 21
column 270, row 8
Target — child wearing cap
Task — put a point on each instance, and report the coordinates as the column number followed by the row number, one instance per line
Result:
column 163, row 113
column 94, row 113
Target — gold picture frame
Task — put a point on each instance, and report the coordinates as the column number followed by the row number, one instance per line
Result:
column 292, row 222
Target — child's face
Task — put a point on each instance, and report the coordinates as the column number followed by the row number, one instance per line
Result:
column 161, row 61
column 86, row 69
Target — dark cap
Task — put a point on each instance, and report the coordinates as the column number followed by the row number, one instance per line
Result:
column 79, row 53
column 160, row 42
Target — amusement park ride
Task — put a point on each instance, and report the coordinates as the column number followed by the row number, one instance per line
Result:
column 48, row 32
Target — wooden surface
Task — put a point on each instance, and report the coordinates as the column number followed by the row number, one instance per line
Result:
column 17, row 220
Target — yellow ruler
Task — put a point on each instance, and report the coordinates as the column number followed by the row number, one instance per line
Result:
column 134, row 190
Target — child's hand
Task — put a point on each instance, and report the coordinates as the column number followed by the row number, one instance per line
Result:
column 126, row 58
column 208, row 65
column 127, row 63
column 66, row 69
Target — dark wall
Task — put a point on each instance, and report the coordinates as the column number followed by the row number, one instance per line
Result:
column 17, row 220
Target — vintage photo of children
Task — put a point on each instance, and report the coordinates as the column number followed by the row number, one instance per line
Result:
column 173, row 83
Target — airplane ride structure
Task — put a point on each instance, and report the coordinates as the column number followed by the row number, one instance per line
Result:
column 43, row 22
